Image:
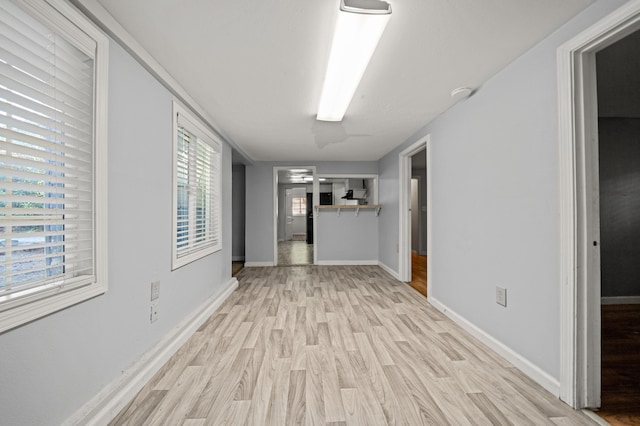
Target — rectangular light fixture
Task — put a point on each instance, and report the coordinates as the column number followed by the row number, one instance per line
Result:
column 359, row 27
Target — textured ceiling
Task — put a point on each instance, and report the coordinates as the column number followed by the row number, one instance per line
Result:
column 257, row 67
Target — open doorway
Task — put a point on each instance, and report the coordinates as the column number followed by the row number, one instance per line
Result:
column 618, row 86
column 415, row 238
column 238, row 191
column 583, row 251
column 294, row 218
column 419, row 222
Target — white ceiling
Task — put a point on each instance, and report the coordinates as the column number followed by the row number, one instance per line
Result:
column 257, row 66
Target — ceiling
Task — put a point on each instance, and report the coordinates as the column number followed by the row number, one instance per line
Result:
column 257, row 67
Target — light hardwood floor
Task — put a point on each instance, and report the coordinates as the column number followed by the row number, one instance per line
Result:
column 337, row 345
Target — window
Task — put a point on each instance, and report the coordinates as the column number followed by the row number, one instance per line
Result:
column 52, row 149
column 299, row 206
column 196, row 183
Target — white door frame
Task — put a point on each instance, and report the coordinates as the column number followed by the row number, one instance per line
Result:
column 579, row 197
column 316, row 201
column 404, row 216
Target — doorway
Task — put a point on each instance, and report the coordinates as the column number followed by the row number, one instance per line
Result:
column 294, row 224
column 618, row 83
column 415, row 236
column 581, row 245
column 418, row 222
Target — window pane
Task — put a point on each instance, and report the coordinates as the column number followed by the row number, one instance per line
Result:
column 299, row 206
column 46, row 154
column 197, row 180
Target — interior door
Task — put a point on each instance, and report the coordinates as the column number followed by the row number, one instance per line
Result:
column 296, row 222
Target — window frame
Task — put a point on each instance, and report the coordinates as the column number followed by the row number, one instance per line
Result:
column 17, row 309
column 296, row 212
column 198, row 129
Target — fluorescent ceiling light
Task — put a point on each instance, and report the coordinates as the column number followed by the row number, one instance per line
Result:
column 359, row 27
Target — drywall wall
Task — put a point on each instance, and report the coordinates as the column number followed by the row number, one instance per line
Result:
column 495, row 202
column 259, row 204
column 238, row 211
column 388, row 197
column 53, row 366
column 347, row 238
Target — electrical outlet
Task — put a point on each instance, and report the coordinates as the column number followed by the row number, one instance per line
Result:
column 154, row 312
column 155, row 290
column 501, row 296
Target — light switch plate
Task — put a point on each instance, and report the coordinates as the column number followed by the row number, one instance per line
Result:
column 501, row 296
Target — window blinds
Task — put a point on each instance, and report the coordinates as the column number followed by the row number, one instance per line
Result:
column 46, row 155
column 197, row 190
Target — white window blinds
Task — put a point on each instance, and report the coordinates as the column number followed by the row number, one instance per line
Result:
column 46, row 155
column 196, row 191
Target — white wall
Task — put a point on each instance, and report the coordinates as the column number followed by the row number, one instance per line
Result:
column 495, row 202
column 52, row 366
column 259, row 205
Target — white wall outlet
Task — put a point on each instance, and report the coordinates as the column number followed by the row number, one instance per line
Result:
column 154, row 312
column 501, row 296
column 155, row 290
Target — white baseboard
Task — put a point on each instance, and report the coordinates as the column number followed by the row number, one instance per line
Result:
column 347, row 262
column 237, row 258
column 527, row 367
column 257, row 264
column 620, row 300
column 390, row 271
column 103, row 407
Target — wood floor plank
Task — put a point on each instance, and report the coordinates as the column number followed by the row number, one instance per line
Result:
column 334, row 409
column 180, row 398
column 277, row 412
column 490, row 411
column 136, row 413
column 297, row 396
column 374, row 373
column 314, row 391
column 337, row 345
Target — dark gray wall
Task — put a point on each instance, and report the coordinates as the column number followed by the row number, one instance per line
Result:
column 620, row 206
column 238, row 211
column 618, row 71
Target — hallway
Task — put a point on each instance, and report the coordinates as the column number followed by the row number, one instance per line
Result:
column 337, row 345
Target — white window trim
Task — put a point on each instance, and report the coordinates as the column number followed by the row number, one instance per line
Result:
column 304, row 206
column 19, row 311
column 207, row 136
